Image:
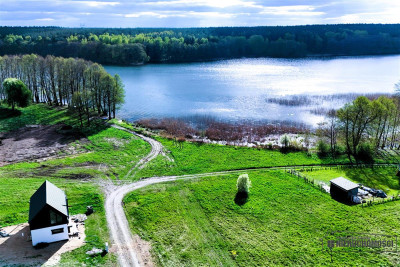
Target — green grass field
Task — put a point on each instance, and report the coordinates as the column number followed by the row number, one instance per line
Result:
column 383, row 178
column 44, row 115
column 191, row 158
column 200, row 158
column 108, row 153
column 198, row 223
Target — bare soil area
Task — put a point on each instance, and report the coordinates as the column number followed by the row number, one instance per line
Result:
column 36, row 142
column 17, row 249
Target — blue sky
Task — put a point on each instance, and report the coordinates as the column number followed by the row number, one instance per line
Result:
column 195, row 13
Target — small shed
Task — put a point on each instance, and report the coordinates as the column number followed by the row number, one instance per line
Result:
column 343, row 189
column 48, row 214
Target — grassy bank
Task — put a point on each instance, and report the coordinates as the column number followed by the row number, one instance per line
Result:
column 198, row 223
column 193, row 157
column 14, row 203
column 44, row 115
column 200, row 158
column 107, row 152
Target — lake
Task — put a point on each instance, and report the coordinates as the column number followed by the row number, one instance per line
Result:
column 264, row 89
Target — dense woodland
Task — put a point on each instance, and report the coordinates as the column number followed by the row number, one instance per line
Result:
column 138, row 46
column 82, row 85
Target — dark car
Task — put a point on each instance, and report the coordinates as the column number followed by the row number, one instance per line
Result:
column 370, row 190
column 380, row 193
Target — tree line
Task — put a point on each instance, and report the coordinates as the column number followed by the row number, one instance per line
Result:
column 361, row 128
column 83, row 86
column 138, row 46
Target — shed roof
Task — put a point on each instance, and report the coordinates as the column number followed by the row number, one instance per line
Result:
column 47, row 194
column 344, row 183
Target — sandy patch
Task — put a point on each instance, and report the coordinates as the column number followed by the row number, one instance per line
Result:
column 143, row 248
column 17, row 249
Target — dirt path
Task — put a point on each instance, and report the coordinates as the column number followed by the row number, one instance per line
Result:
column 156, row 149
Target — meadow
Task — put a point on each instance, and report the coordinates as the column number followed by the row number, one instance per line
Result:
column 201, row 223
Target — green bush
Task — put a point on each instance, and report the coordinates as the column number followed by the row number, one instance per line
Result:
column 243, row 183
column 340, row 150
column 17, row 93
column 323, row 148
column 365, row 152
column 285, row 141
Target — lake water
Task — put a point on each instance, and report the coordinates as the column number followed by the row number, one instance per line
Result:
column 279, row 90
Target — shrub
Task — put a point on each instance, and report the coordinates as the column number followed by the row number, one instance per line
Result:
column 323, row 148
column 285, row 141
column 243, row 183
column 296, row 146
column 340, row 150
column 365, row 152
column 269, row 146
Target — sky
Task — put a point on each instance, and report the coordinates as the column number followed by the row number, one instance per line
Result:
column 195, row 13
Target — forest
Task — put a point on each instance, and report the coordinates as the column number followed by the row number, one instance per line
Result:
column 83, row 86
column 135, row 46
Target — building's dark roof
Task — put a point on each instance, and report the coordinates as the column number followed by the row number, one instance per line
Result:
column 48, row 194
column 344, row 183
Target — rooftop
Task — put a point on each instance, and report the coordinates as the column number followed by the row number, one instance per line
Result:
column 47, row 194
column 344, row 183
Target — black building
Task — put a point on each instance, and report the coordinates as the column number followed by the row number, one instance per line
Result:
column 343, row 189
column 48, row 214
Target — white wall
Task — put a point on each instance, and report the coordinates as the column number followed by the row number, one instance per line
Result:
column 44, row 235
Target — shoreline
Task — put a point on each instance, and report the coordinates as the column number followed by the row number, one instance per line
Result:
column 310, row 56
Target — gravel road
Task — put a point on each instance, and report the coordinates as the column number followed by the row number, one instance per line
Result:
column 156, row 149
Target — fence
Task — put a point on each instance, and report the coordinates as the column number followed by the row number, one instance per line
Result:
column 312, row 182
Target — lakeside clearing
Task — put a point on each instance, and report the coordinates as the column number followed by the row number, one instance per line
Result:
column 197, row 222
column 109, row 153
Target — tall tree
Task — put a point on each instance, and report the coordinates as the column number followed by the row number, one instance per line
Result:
column 356, row 117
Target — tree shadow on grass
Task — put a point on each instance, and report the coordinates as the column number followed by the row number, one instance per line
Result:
column 375, row 177
column 241, row 198
column 8, row 113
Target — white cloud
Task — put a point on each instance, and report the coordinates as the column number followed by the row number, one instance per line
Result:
column 300, row 10
column 45, row 19
column 168, row 14
column 376, row 17
column 141, row 14
column 96, row 3
column 206, row 3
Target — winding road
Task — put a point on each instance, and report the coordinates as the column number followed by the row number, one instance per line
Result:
column 126, row 246
column 156, row 149
column 124, row 243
